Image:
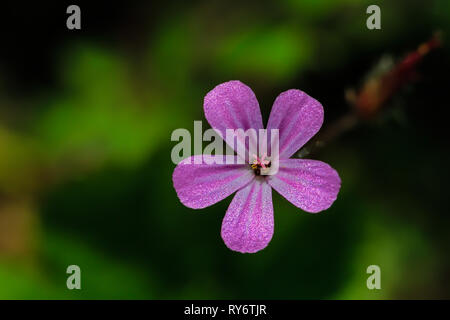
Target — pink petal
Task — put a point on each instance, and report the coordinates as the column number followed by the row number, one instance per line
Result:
column 308, row 184
column 232, row 105
column 248, row 223
column 298, row 118
column 201, row 185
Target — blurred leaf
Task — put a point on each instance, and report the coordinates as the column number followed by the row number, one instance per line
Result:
column 271, row 53
column 401, row 251
column 319, row 8
column 18, row 282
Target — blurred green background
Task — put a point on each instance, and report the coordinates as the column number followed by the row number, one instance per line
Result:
column 85, row 169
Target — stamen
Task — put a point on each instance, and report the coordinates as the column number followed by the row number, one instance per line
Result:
column 260, row 163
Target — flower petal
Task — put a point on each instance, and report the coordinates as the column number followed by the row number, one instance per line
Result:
column 298, row 118
column 232, row 105
column 248, row 223
column 308, row 184
column 201, row 185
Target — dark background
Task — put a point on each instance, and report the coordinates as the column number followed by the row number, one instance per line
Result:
column 85, row 169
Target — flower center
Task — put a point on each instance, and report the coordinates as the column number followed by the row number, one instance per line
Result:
column 260, row 165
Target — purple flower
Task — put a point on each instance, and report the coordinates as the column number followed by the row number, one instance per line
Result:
column 308, row 184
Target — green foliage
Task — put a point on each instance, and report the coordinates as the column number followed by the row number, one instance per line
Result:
column 91, row 156
column 100, row 116
column 272, row 53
